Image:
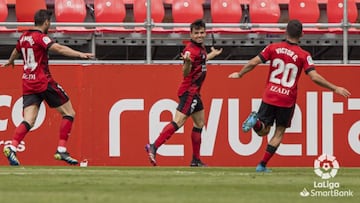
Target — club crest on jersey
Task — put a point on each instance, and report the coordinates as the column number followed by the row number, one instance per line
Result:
column 309, row 60
column 46, row 40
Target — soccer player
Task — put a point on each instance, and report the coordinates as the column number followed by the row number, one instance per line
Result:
column 190, row 104
column 39, row 85
column 287, row 60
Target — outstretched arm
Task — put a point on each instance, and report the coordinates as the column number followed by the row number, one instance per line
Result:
column 321, row 81
column 248, row 67
column 67, row 51
column 214, row 52
column 14, row 55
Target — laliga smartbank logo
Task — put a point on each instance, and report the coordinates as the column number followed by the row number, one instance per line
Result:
column 326, row 167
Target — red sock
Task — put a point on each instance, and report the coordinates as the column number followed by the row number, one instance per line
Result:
column 258, row 126
column 65, row 128
column 20, row 133
column 166, row 133
column 196, row 141
column 270, row 151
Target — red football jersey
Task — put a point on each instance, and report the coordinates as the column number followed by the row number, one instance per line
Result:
column 287, row 60
column 33, row 45
column 193, row 81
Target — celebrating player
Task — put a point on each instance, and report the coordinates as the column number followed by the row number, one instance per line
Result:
column 39, row 85
column 190, row 104
column 287, row 60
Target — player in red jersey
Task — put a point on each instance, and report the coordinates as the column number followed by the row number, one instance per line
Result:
column 38, row 85
column 190, row 104
column 287, row 61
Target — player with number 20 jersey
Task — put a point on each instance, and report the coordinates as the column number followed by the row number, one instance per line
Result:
column 287, row 60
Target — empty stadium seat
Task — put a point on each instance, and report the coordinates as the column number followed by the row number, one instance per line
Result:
column 307, row 11
column 3, row 14
column 157, row 10
column 25, row 11
column 335, row 11
column 110, row 11
column 225, row 11
column 3, row 10
column 264, row 11
column 72, row 11
column 186, row 11
column 157, row 13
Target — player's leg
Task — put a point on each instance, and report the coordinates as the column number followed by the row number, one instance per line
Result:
column 199, row 121
column 183, row 111
column 166, row 133
column 31, row 108
column 271, row 149
column 283, row 118
column 56, row 98
column 253, row 121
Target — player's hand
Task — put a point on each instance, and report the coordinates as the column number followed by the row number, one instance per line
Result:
column 234, row 75
column 8, row 64
column 342, row 91
column 216, row 51
column 86, row 55
column 186, row 57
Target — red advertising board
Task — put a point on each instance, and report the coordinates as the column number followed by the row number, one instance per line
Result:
column 120, row 108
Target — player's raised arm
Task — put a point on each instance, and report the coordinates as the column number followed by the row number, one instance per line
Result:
column 321, row 81
column 187, row 63
column 14, row 55
column 248, row 67
column 214, row 52
column 67, row 51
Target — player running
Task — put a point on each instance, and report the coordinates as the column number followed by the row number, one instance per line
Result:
column 39, row 85
column 287, row 61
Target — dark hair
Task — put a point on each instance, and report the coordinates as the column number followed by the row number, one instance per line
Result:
column 197, row 24
column 41, row 16
column 294, row 29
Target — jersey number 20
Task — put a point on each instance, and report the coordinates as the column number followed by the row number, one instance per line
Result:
column 288, row 71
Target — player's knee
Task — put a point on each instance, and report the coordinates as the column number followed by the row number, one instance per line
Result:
column 264, row 131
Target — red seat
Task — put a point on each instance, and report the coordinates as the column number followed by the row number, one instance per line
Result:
column 264, row 11
column 225, row 11
column 307, row 11
column 110, row 11
column 25, row 11
column 72, row 11
column 3, row 15
column 186, row 11
column 157, row 13
column 335, row 11
column 3, row 10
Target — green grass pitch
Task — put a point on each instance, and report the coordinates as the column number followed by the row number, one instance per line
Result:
column 169, row 184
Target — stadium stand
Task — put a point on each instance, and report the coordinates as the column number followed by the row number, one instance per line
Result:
column 335, row 9
column 70, row 11
column 241, row 41
column 157, row 13
column 110, row 11
column 307, row 11
column 225, row 11
column 25, row 11
column 264, row 11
